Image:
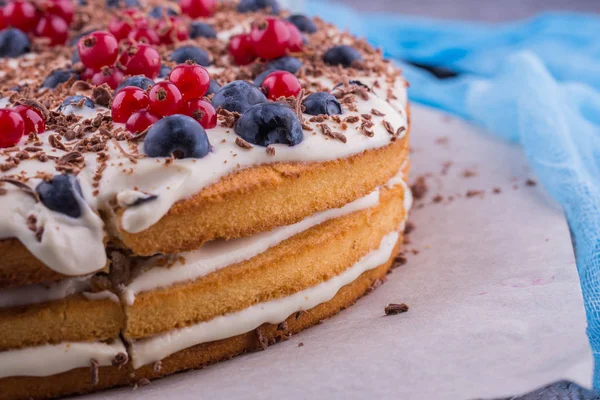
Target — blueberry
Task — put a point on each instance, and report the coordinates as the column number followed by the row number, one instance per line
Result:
column 164, row 71
column 196, row 54
column 342, row 55
column 157, row 12
column 322, row 103
column 75, row 57
column 256, row 5
column 270, row 123
column 177, row 135
column 303, row 23
column 238, row 96
column 123, row 4
column 260, row 78
column 59, row 76
column 72, row 100
column 138, row 81
column 61, row 194
column 214, row 87
column 201, row 29
column 13, row 43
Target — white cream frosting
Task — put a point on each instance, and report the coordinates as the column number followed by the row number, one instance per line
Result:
column 51, row 359
column 153, row 349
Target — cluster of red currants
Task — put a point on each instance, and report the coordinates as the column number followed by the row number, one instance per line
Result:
column 134, row 26
column 18, row 121
column 182, row 94
column 99, row 52
column 46, row 18
column 269, row 39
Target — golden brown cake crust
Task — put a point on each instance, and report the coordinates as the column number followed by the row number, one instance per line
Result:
column 79, row 380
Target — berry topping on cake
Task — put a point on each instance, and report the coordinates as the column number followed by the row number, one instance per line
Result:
column 202, row 111
column 192, row 80
column 289, row 64
column 241, row 49
column 13, row 43
column 201, row 29
column 12, row 127
column 112, row 76
column 296, row 41
column 214, row 87
column 127, row 101
column 164, row 71
column 171, row 30
column 322, row 103
column 123, row 4
column 270, row 123
column 343, row 55
column 61, row 8
column 165, row 99
column 141, row 59
column 238, row 96
column 144, row 34
column 75, row 101
column 140, row 121
column 159, row 12
column 57, row 77
column 281, row 84
column 54, row 28
column 179, row 136
column 98, row 49
column 33, row 119
column 270, row 38
column 139, row 81
column 191, row 53
column 303, row 23
column 256, row 5
column 198, row 8
column 21, row 15
column 119, row 28
column 61, row 194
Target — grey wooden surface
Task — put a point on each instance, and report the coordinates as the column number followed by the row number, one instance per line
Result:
column 487, row 10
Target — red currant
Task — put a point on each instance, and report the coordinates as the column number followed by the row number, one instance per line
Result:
column 98, row 49
column 270, row 38
column 112, row 76
column 296, row 42
column 241, row 49
column 20, row 14
column 192, row 80
column 54, row 28
column 202, row 111
column 33, row 119
column 87, row 74
column 62, row 8
column 127, row 101
column 141, row 59
column 120, row 29
column 140, row 121
column 144, row 34
column 3, row 23
column 281, row 84
column 12, row 128
column 198, row 8
column 172, row 30
column 165, row 99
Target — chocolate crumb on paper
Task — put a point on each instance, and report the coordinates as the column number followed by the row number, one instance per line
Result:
column 394, row 309
column 301, row 344
column 530, row 182
column 419, row 188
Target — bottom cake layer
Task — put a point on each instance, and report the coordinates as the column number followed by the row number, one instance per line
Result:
column 83, row 380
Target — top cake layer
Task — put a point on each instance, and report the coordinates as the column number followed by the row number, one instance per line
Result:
column 169, row 205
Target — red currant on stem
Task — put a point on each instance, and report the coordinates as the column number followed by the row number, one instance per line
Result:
column 281, row 84
column 20, row 14
column 129, row 100
column 54, row 28
column 32, row 118
column 165, row 99
column 62, row 8
column 119, row 29
column 241, row 49
column 12, row 127
column 140, row 121
column 192, row 80
column 144, row 35
column 171, row 30
column 198, row 8
column 202, row 111
column 98, row 49
column 112, row 76
column 270, row 38
column 296, row 42
column 141, row 59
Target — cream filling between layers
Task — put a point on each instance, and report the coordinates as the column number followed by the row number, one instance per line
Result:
column 51, row 359
column 156, row 348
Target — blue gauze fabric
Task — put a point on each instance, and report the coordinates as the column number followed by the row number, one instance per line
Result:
column 535, row 82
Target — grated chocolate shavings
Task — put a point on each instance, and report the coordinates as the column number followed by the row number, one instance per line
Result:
column 326, row 130
column 388, row 127
column 22, row 186
column 94, row 372
column 120, row 360
column 262, row 340
column 242, row 143
column 270, row 150
column 377, row 112
column 282, row 326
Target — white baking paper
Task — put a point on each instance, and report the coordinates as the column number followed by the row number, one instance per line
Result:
column 495, row 303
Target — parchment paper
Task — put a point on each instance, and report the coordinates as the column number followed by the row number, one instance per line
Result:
column 495, row 303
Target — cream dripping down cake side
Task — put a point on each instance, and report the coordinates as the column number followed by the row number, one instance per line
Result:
column 183, row 183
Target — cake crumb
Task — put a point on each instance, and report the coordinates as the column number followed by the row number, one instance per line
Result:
column 394, row 309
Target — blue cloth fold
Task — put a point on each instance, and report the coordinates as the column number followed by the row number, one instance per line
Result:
column 534, row 82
